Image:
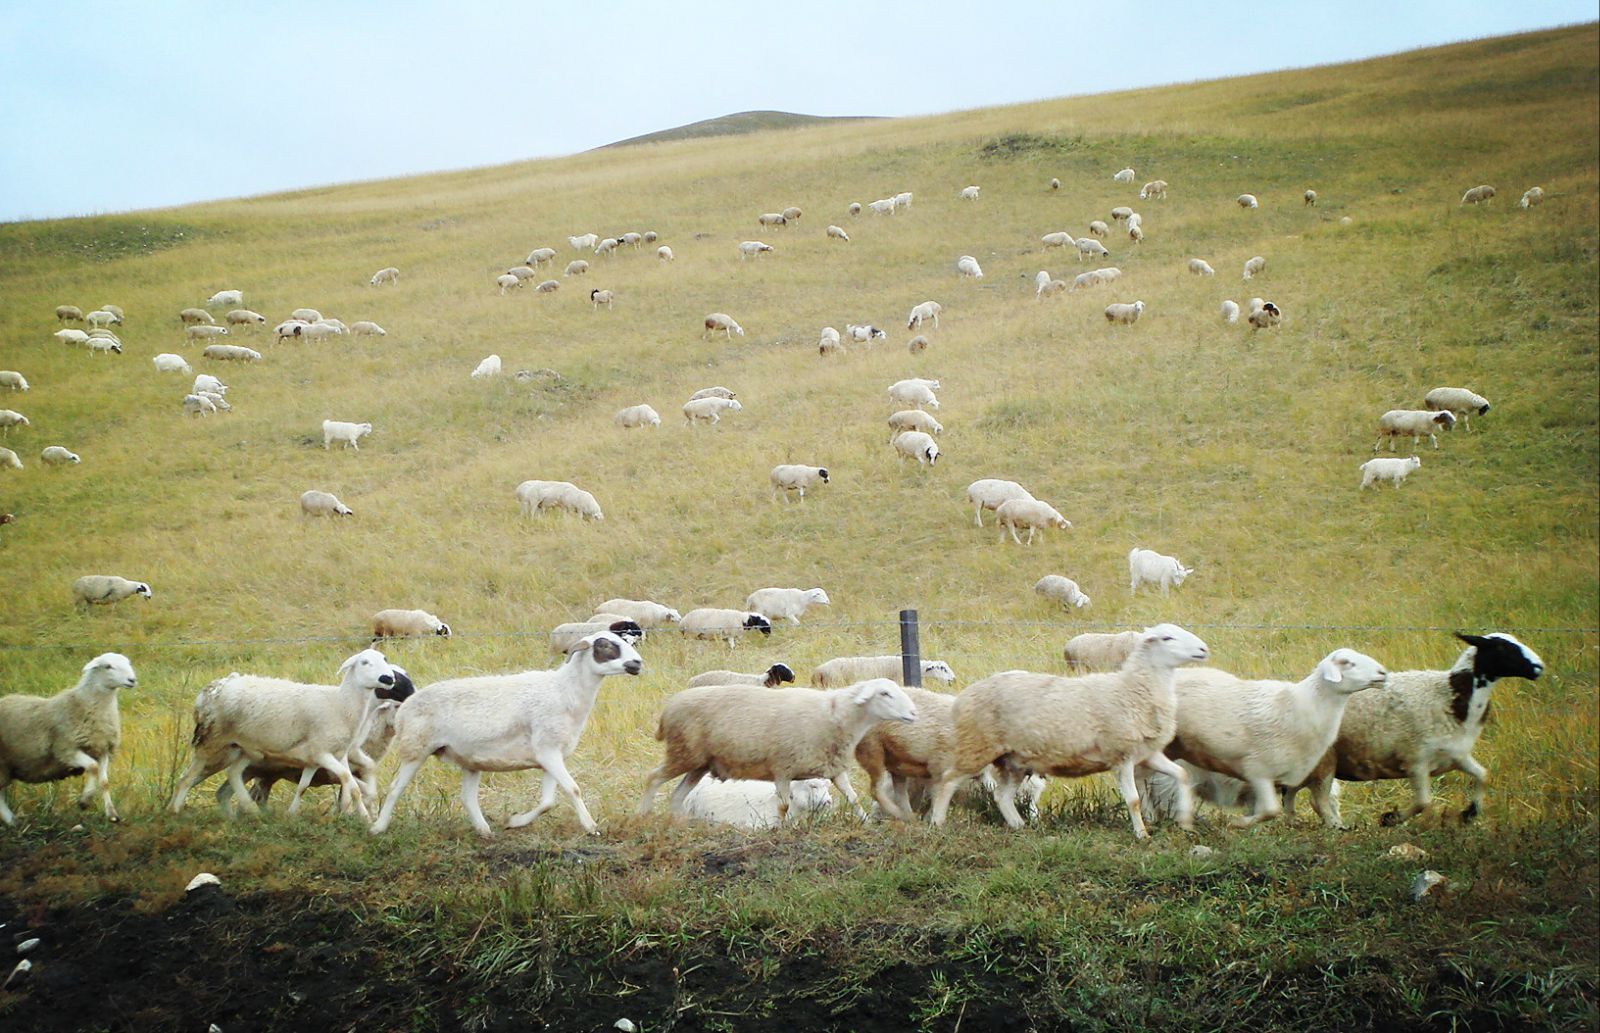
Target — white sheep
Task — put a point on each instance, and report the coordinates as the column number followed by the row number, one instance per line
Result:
column 637, row 416
column 1156, row 188
column 489, row 367
column 388, row 274
column 991, row 493
column 847, row 670
column 902, row 199
column 1478, row 195
column 1254, row 266
column 854, row 208
column 55, row 455
column 287, row 329
column 1023, row 722
column 1310, row 198
column 1147, row 565
column 796, row 478
column 1200, row 267
column 11, row 418
column 709, row 410
column 1247, row 201
column 219, row 402
column 1049, row 288
column 1062, row 590
column 1134, row 221
column 365, row 328
column 788, row 604
column 913, row 392
column 838, row 233
column 104, row 589
column 583, row 241
column 752, row 803
column 1532, row 196
column 547, row 287
column 1058, row 239
column 523, row 273
column 752, row 248
column 712, row 392
column 664, row 253
column 205, row 382
column 69, row 314
column 537, row 496
column 115, row 310
column 9, row 461
column 193, row 316
column 883, row 206
column 77, row 731
column 71, row 336
column 1097, row 228
column 199, row 405
column 773, row 677
column 651, row 236
column 1135, row 233
column 777, row 735
column 540, row 255
column 598, row 297
column 864, row 333
column 323, row 503
column 829, row 343
column 576, row 267
column 771, row 219
column 566, row 637
column 1123, row 313
column 204, row 333
column 1088, row 246
column 344, row 433
column 1230, row 311
column 101, row 318
column 226, row 298
column 914, row 444
column 922, row 313
column 727, row 625
column 407, row 624
column 306, row 315
column 1099, row 650
column 1033, row 514
column 243, row 316
column 1412, row 423
column 968, row 193
column 14, row 380
column 643, row 612
column 913, row 419
column 607, row 247
column 1458, row 401
column 1055, row 184
column 715, row 321
column 1390, row 468
column 917, row 345
column 1124, row 176
column 229, row 353
column 507, row 282
column 968, row 266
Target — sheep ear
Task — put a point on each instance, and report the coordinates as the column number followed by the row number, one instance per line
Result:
column 1472, row 640
column 1331, row 670
column 864, row 692
column 347, row 664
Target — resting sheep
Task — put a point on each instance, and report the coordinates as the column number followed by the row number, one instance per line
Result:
column 1030, row 513
column 1458, row 401
column 1099, row 650
column 103, row 589
column 752, row 803
column 323, row 503
column 344, row 433
column 1149, row 566
column 407, row 624
column 795, row 477
column 914, row 444
column 1413, row 423
column 1389, row 468
column 787, row 604
column 1062, row 590
column 846, row 670
column 637, row 416
column 774, row 677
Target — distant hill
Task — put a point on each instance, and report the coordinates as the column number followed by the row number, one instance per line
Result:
column 735, row 124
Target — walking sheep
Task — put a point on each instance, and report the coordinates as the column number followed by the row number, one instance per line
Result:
column 1391, row 469
column 846, row 670
column 728, row 625
column 774, row 677
column 796, row 478
column 1457, row 401
column 785, row 603
column 102, row 589
column 407, row 624
column 1146, row 565
column 1412, row 423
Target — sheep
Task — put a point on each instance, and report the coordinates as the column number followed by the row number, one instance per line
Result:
column 507, row 281
column 607, row 247
column 1030, row 513
column 968, row 266
column 199, row 405
column 1458, row 401
column 913, row 392
column 1022, row 721
column 196, row 316
column 11, row 418
column 1097, row 229
column 713, row 623
column 1398, row 423
column 643, row 612
column 637, row 416
column 205, row 382
column 226, row 298
column 1121, row 213
column 774, row 677
column 1063, row 590
column 1147, row 565
column 489, row 367
column 1124, row 176
column 55, row 455
column 914, row 444
column 547, row 287
column 968, row 193
column 749, row 248
column 566, row 637
column 101, row 318
column 217, row 401
column 1230, row 311
column 406, row 623
column 540, row 255
column 1423, row 723
column 1393, row 470
column 9, row 461
column 780, row 735
column 537, row 496
column 922, row 313
column 709, row 410
column 785, row 603
column 1532, row 196
column 1088, row 246
column 1058, row 239
column 105, row 589
column 76, row 731
column 854, row 208
column 1478, row 195
column 663, row 253
column 583, row 241
column 828, row 342
column 1310, row 198
column 1254, row 266
column 288, row 328
column 796, row 478
column 1124, row 314
column 902, row 199
column 74, row 314
column 892, row 754
column 1267, row 732
column 243, row 316
column 917, row 345
column 243, row 719
column 14, row 380
column 204, row 333
column 71, row 336
column 843, row 670
column 771, row 219
column 1247, row 201
column 913, row 419
column 884, row 206
column 712, row 392
column 838, row 233
column 367, row 328
column 1156, row 188
column 991, row 493
column 1135, row 233
column 98, row 345
column 345, row 433
column 1134, row 221
column 115, row 310
column 715, row 321
column 752, row 803
column 602, row 297
column 1084, row 281
column 1264, row 316
column 523, row 273
column 1055, row 184
column 306, row 315
column 651, row 236
column 323, row 503
column 862, row 332
column 229, row 353
column 792, row 214
column 576, row 267
column 1099, row 650
column 1200, row 267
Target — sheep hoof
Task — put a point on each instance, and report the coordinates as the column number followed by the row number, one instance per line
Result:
column 1470, row 813
column 1390, row 819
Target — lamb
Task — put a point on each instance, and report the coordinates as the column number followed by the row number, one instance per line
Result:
column 226, row 298
column 1058, row 239
column 242, row 316
column 709, row 409
column 72, row 732
column 204, row 333
column 1200, row 267
column 1147, row 565
column 992, row 493
column 1156, row 188
column 752, row 803
column 195, row 316
column 1458, row 401
column 922, row 313
column 1124, row 314
column 838, row 233
column 489, row 367
column 968, row 266
column 1531, row 197
column 323, row 503
column 407, row 624
column 101, row 318
column 11, row 418
column 1026, row 722
column 770, row 219
column 14, row 380
column 846, row 670
column 728, row 625
column 199, row 405
column 104, row 589
column 914, row 444
column 1098, row 228
column 229, row 353
column 1099, row 650
column 780, row 735
column 913, row 392
column 583, row 242
column 1478, row 195
column 1264, row 315
column 913, row 419
column 785, row 603
column 748, row 248
column 712, row 392
column 344, row 433
column 1391, row 469
column 71, row 336
column 563, row 495
column 566, row 637
column 968, row 193
column 1230, row 311
column 1247, row 201
column 9, row 461
column 1310, row 198
column 367, row 328
column 602, row 297
column 576, row 267
column 1088, row 246
column 243, row 719
column 55, row 455
column 1399, row 423
column 721, row 321
column 774, row 677
column 607, row 247
column 1267, row 733
column 642, row 612
column 1254, row 266
column 828, row 342
column 74, row 314
column 637, row 416
column 1030, row 513
column 796, row 478
column 1125, row 176
column 1063, row 590
column 663, row 253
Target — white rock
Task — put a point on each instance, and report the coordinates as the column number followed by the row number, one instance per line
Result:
column 1424, row 883
column 624, row 1025
column 18, row 974
column 27, row 946
column 203, row 879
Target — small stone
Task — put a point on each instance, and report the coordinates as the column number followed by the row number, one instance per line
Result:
column 27, row 946
column 624, row 1025
column 214, row 1028
column 1346, row 220
column 297, row 997
column 1201, row 851
column 203, row 879
column 1424, row 883
column 77, row 828
column 1406, row 852
column 18, row 975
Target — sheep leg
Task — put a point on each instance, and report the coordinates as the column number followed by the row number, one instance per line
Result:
column 402, row 778
column 469, row 800
column 781, row 784
column 1159, row 761
column 556, row 766
column 1005, row 796
column 680, row 794
column 240, row 793
column 91, row 776
column 306, row 775
column 842, row 780
column 5, row 808
column 349, row 788
column 977, row 514
column 883, row 791
column 1480, row 776
column 1422, row 785
column 105, row 789
column 1130, row 796
column 193, row 775
column 1013, row 529
column 941, row 798
column 547, row 800
column 1267, row 804
column 652, row 785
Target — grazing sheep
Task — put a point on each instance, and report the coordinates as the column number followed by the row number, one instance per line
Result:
column 226, row 298
column 1230, row 311
column 204, row 333
column 715, row 321
column 1025, row 722
column 344, row 433
column 607, row 247
column 1089, row 247
column 1058, row 239
column 771, row 219
column 602, row 297
column 828, row 342
column 101, row 318
column 216, row 400
column 1147, row 565
column 712, row 392
column 11, row 418
column 1264, row 316
column 1135, row 233
column 55, row 455
column 637, row 416
column 1254, row 266
column 205, row 382
column 199, row 405
column 507, row 281
column 752, row 803
column 583, row 241
column 779, row 735
column 914, row 444
column 922, row 313
column 913, row 419
column 1063, row 590
column 14, row 380
column 241, row 316
column 540, row 255
column 902, row 199
column 1478, row 195
column 306, row 315
column 1096, row 229
column 773, row 677
column 1413, row 423
column 489, row 367
column 365, row 327
column 406, row 624
column 651, row 236
column 547, row 287
column 1099, row 650
column 287, row 329
column 1121, row 213
column 968, row 193
column 71, row 336
column 195, row 316
column 917, row 345
column 663, row 253
column 709, row 410
column 74, row 314
column 229, row 353
column 992, row 493
column 564, row 638
column 1247, row 201
column 1200, row 267
column 76, row 731
column 642, row 612
column 1125, row 176
column 854, row 208
column 104, row 589
column 914, row 392
column 968, row 266
column 750, row 248
column 847, row 670
column 323, row 503
column 792, row 214
column 838, row 233
column 9, row 460
column 862, row 332
column 728, row 625
column 576, row 267
column 523, row 273
column 1055, row 184
column 1458, row 401
column 794, row 477
column 1156, row 188
column 1532, row 196
column 883, row 206
column 1030, row 513
column 1310, row 198
column 98, row 345
column 1125, row 314
column 1393, row 470
column 537, row 496
column 787, row 604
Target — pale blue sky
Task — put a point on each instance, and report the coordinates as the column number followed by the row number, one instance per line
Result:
column 115, row 106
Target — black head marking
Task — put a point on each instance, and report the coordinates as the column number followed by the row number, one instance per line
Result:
column 605, row 650
column 628, row 631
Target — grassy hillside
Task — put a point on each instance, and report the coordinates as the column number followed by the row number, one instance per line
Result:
column 736, row 124
column 1236, row 451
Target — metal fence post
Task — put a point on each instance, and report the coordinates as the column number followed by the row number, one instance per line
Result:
column 910, row 649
